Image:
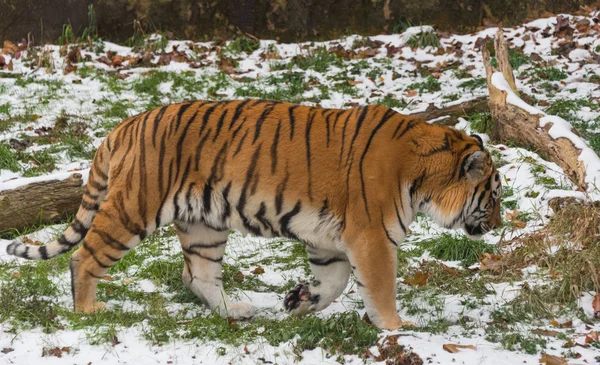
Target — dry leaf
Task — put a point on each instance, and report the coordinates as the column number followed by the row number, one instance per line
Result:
column 453, row 348
column 567, row 324
column 259, row 270
column 9, row 48
column 553, row 360
column 16, row 274
column 127, row 281
column 543, row 332
column 420, row 279
column 410, row 93
column 491, row 262
column 107, row 277
column 591, row 337
column 354, row 83
column 596, row 305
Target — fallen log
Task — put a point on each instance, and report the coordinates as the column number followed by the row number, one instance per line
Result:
column 453, row 112
column 551, row 136
column 40, row 202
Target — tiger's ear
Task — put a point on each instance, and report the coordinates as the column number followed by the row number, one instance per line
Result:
column 475, row 166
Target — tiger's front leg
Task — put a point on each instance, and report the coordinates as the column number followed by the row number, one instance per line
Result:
column 374, row 259
column 331, row 270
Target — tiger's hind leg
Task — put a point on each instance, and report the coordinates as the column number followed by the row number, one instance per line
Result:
column 112, row 234
column 203, row 249
column 331, row 270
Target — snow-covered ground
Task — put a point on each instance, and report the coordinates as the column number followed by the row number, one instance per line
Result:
column 57, row 103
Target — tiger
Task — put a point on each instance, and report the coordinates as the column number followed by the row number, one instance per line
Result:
column 347, row 183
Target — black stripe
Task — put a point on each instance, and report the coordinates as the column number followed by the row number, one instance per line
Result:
column 93, row 254
column 206, row 245
column 99, row 172
column 89, row 206
column 411, row 124
column 96, row 185
column 398, row 215
column 227, row 210
column 260, row 121
column 199, row 150
column 111, row 241
column 386, row 116
column 284, row 221
column 242, row 200
column 279, row 193
column 325, row 262
column 389, row 237
column 239, row 147
column 308, row 163
column 157, row 120
column 44, row 252
column 260, row 215
column 274, row 148
column 238, row 112
column 220, row 124
column 292, row 120
column 359, row 123
column 344, row 136
column 189, row 252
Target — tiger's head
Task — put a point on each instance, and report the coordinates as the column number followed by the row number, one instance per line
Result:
column 467, row 195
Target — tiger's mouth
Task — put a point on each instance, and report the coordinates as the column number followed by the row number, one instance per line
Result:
column 475, row 232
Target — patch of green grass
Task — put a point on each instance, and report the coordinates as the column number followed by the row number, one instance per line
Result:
column 243, row 44
column 481, row 122
column 319, row 60
column 149, row 84
column 548, row 73
column 450, row 247
column 565, row 108
column 43, row 162
column 391, row 102
column 473, row 83
column 8, row 158
column 423, row 40
column 517, row 59
column 430, row 84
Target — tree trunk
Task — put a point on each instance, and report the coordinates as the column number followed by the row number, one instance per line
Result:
column 528, row 127
column 453, row 112
column 40, row 203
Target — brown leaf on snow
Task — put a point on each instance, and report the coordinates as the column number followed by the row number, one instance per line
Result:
column 420, row 279
column 567, row 324
column 56, row 351
column 548, row 333
column 454, row 348
column 354, row 83
column 226, row 65
column 393, row 353
column 9, row 48
column 553, row 360
column 491, row 262
column 591, row 337
column 596, row 305
column 410, row 93
column 259, row 270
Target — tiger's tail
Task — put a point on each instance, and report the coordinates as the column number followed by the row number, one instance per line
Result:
column 95, row 191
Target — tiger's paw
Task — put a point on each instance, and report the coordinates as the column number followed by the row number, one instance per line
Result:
column 300, row 301
column 93, row 308
column 241, row 310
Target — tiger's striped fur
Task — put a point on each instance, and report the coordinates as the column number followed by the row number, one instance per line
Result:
column 347, row 183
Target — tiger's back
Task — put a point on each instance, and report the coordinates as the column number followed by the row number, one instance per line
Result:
column 347, row 183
